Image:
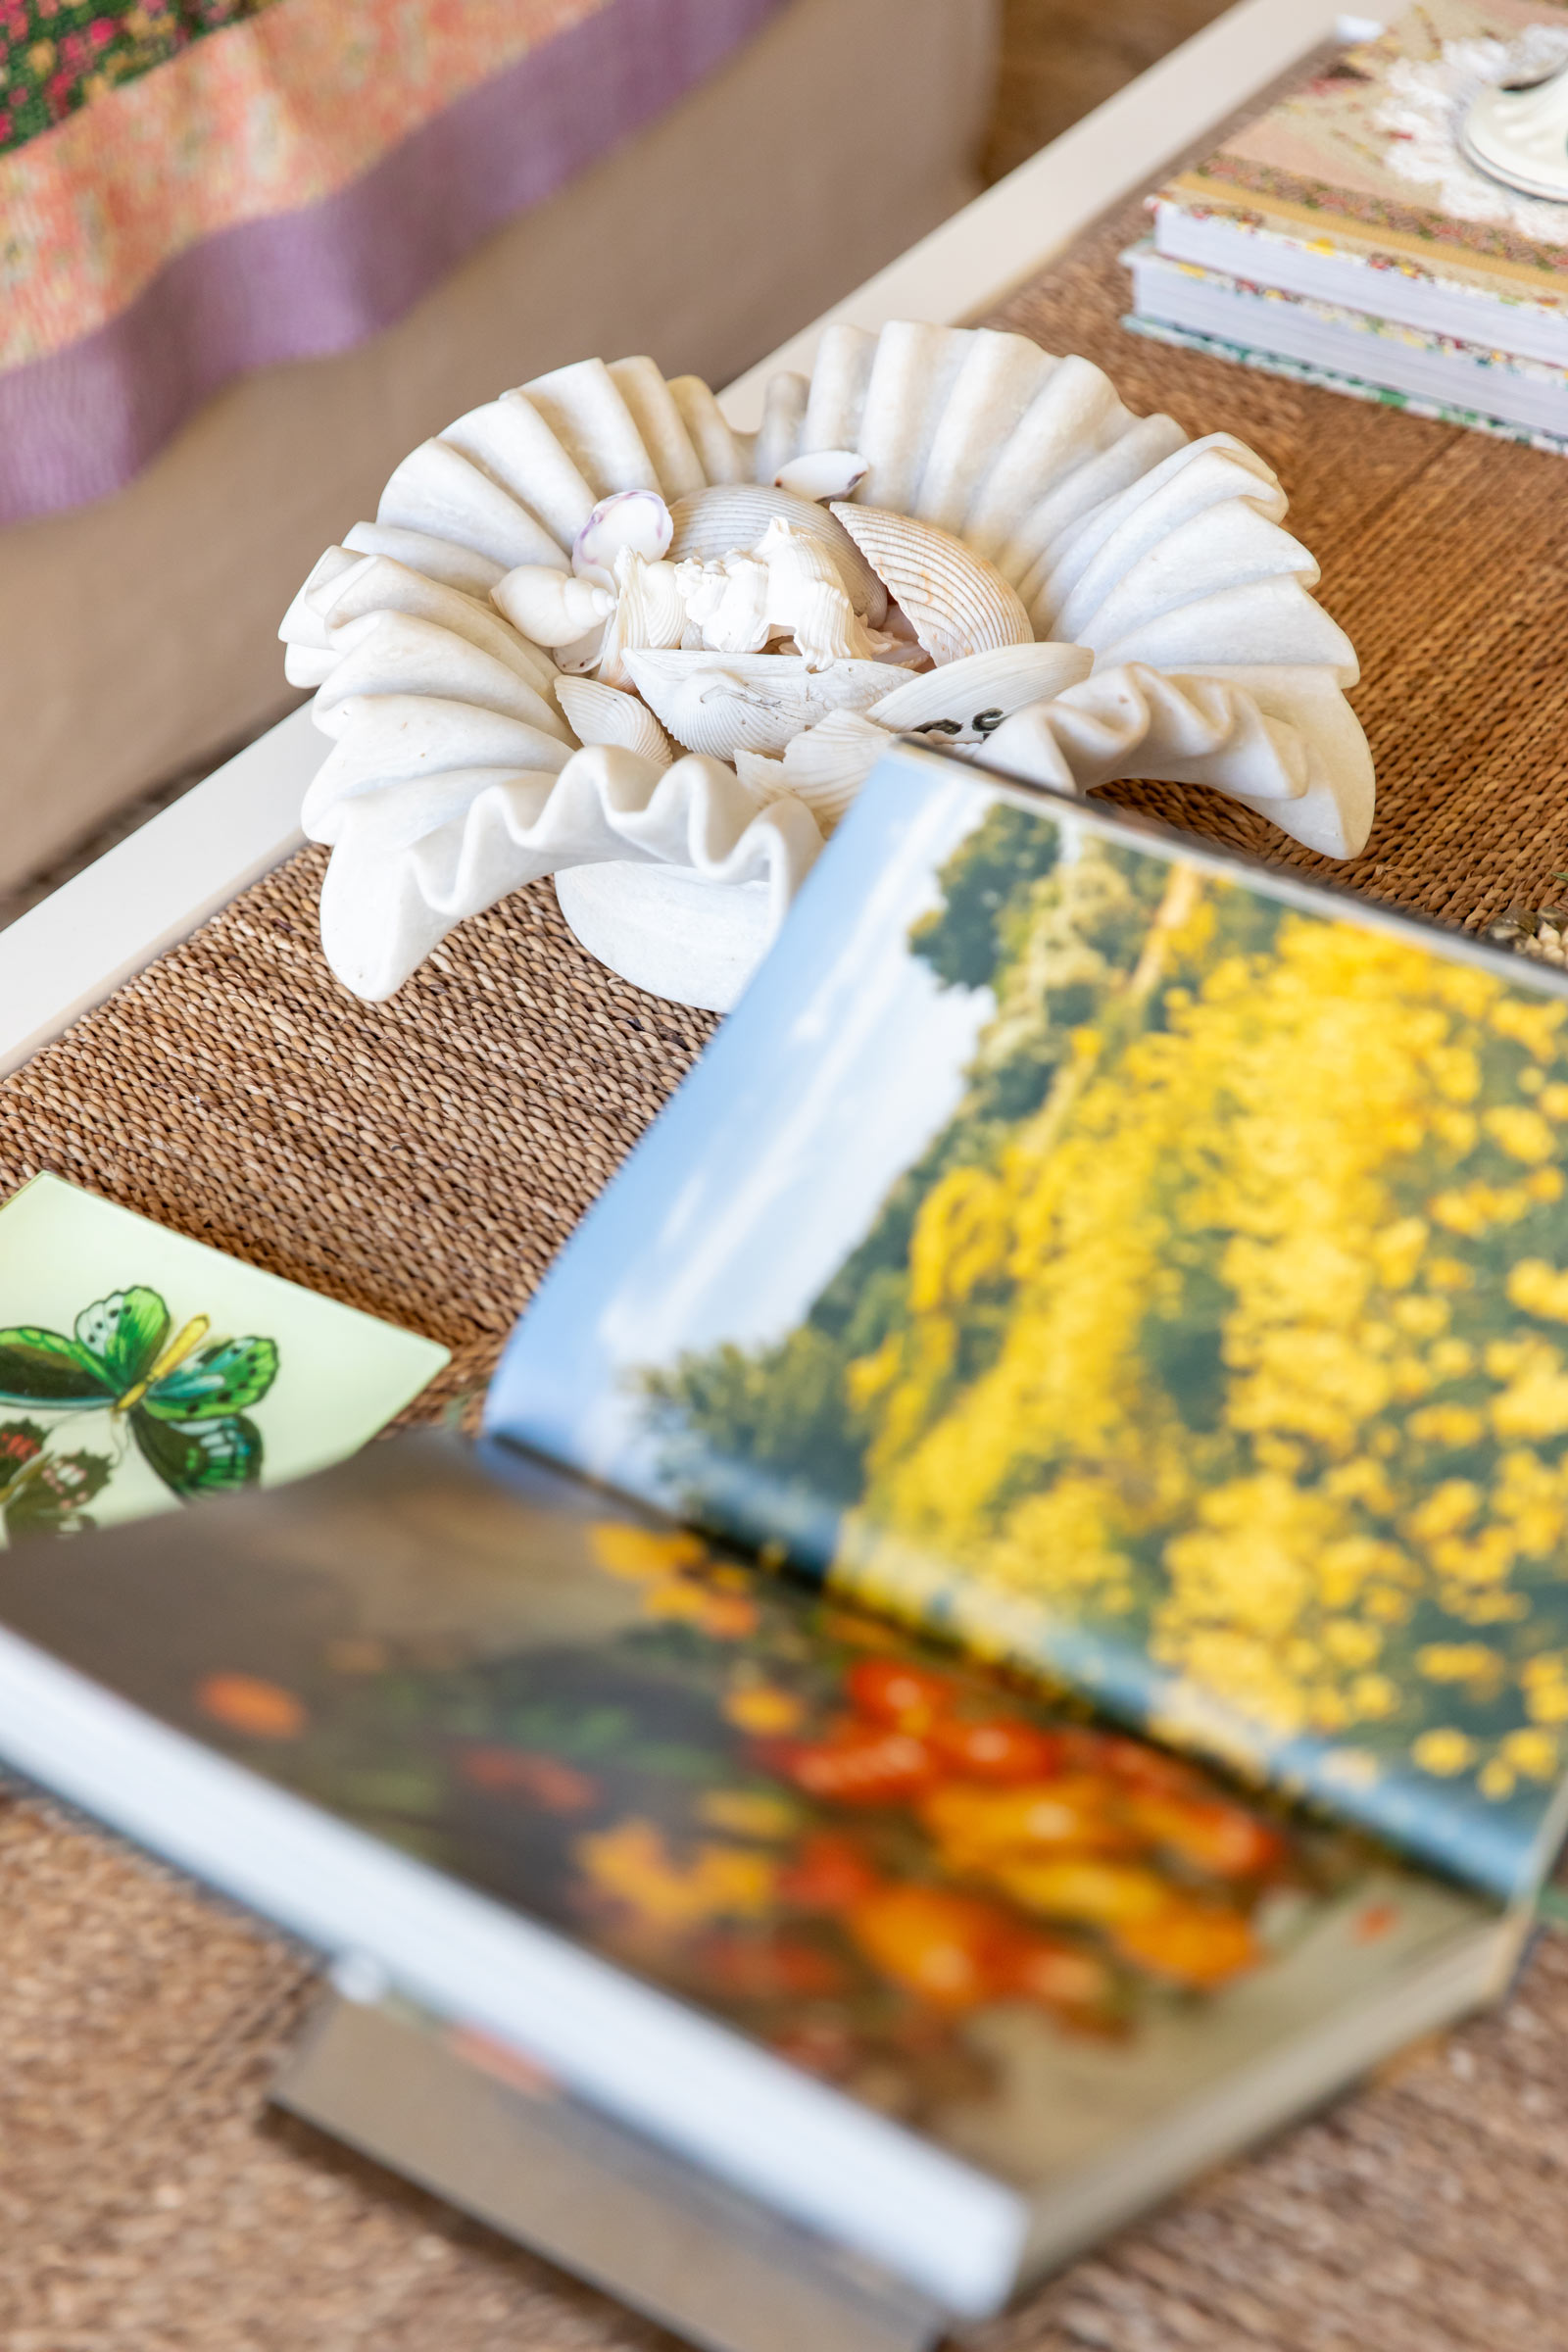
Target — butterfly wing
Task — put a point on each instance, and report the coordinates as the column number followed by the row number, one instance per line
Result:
column 124, row 1332
column 45, row 1368
column 203, row 1457
column 227, row 1378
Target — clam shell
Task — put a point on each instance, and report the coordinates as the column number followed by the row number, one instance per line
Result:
column 965, row 702
column 660, row 427
column 824, row 474
column 510, row 441
column 955, row 600
column 724, row 455
column 379, row 584
column 586, row 410
column 783, row 416
column 600, row 713
column 651, row 610
column 634, row 518
column 440, row 559
column 720, row 704
column 719, row 521
column 825, row 767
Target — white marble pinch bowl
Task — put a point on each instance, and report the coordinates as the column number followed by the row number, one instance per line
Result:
column 596, row 633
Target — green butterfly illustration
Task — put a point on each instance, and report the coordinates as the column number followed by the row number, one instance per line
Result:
column 183, row 1398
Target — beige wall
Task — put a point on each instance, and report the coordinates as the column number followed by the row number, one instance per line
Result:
column 139, row 633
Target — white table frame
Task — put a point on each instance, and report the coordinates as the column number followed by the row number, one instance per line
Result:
column 154, row 889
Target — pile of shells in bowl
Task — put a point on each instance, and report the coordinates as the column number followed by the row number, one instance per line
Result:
column 595, row 632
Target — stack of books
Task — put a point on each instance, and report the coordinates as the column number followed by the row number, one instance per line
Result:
column 1344, row 239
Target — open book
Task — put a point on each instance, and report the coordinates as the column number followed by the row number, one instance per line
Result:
column 1008, row 1629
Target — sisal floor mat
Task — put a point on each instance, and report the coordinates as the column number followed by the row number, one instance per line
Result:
column 425, row 1160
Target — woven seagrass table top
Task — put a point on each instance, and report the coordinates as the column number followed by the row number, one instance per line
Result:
column 425, row 1160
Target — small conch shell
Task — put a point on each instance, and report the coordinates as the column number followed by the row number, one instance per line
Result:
column 963, row 702
column 600, row 713
column 720, row 704
column 651, row 612
column 548, row 607
column 824, row 474
column 634, row 518
column 718, row 522
column 955, row 601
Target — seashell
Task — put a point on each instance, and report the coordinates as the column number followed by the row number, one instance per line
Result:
column 393, row 738
column 600, row 713
column 956, row 602
column 720, row 704
column 726, row 604
column 807, row 598
column 634, row 518
column 825, row 767
column 965, row 702
column 550, row 606
column 822, row 474
column 718, row 522
column 649, row 610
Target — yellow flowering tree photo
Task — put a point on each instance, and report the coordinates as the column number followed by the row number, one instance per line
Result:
column 1225, row 1327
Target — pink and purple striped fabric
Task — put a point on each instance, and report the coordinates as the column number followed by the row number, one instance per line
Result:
column 284, row 186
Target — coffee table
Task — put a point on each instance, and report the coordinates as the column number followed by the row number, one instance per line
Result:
column 424, row 1159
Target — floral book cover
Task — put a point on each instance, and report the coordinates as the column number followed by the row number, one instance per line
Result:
column 1128, row 1264
column 1365, row 155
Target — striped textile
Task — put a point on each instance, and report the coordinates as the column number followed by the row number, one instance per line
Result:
column 212, row 185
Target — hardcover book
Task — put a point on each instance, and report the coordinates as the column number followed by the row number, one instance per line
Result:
column 1008, row 1632
column 1353, row 195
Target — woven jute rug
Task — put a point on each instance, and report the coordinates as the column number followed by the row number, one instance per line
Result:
column 425, row 1160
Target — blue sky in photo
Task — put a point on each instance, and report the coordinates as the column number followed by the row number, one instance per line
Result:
column 771, row 1164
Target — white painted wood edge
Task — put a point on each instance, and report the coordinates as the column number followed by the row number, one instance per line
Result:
column 152, row 890
column 155, row 888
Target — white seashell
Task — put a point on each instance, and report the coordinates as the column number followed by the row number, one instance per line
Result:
column 822, row 474
column 965, row 702
column 992, row 394
column 600, row 713
column 726, row 604
column 719, row 521
column 720, row 704
column 550, row 606
column 956, row 602
column 393, row 738
column 634, row 518
column 807, row 598
column 825, row 767
column 649, row 610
